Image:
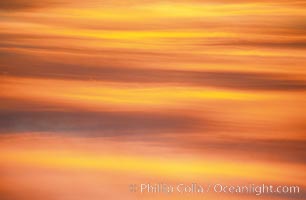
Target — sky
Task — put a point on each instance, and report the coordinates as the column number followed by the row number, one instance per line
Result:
column 97, row 95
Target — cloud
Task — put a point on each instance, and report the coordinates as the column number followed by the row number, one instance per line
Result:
column 95, row 123
column 259, row 149
column 17, row 5
column 261, row 81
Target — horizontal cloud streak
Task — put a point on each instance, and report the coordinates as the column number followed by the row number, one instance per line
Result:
column 258, row 149
column 96, row 124
column 19, row 5
column 222, row 79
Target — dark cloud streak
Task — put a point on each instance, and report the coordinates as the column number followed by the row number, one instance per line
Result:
column 94, row 123
column 22, row 5
column 271, row 149
column 221, row 79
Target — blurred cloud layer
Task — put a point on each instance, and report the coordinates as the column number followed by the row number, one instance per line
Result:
column 96, row 95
